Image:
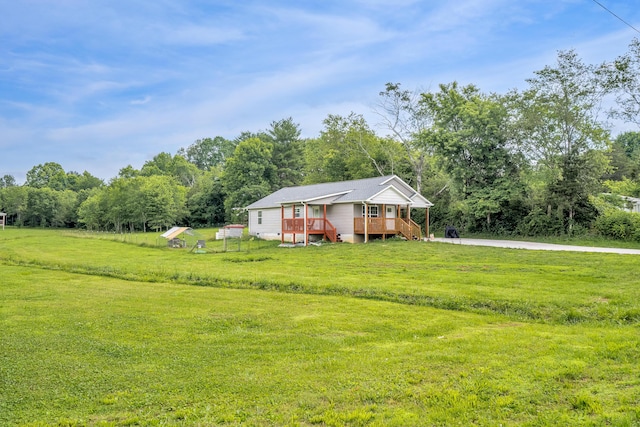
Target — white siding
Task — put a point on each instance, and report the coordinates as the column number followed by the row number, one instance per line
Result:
column 271, row 225
column 341, row 216
column 389, row 197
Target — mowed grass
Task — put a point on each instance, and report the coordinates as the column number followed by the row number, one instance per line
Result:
column 332, row 335
column 555, row 287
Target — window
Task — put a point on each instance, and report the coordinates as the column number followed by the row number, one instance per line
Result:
column 259, row 217
column 373, row 211
column 298, row 213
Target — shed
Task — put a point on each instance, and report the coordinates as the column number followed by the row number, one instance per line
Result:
column 3, row 219
column 173, row 236
column 230, row 231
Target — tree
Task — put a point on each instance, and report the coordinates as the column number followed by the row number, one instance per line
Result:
column 50, row 175
column 288, row 153
column 622, row 76
column 7, row 181
column 404, row 115
column 128, row 172
column 86, row 181
column 13, row 202
column 558, row 124
column 42, row 204
column 248, row 175
column 176, row 166
column 470, row 137
column 92, row 211
column 625, row 157
column 161, row 201
column 205, row 201
column 208, row 153
column 348, row 149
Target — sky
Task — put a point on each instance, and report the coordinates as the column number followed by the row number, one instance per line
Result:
column 96, row 85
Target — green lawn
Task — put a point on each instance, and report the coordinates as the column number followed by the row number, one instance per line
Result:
column 389, row 333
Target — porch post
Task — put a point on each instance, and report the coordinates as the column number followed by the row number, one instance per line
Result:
column 293, row 218
column 282, row 224
column 384, row 222
column 426, row 222
column 324, row 221
column 306, row 232
column 366, row 223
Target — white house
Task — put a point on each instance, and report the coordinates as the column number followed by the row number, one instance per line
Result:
column 633, row 204
column 349, row 211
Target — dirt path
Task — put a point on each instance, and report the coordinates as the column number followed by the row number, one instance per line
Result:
column 535, row 246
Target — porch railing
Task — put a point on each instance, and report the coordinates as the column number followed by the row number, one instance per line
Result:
column 408, row 229
column 314, row 226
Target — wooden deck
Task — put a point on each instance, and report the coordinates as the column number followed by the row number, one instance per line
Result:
column 376, row 226
column 316, row 226
column 387, row 226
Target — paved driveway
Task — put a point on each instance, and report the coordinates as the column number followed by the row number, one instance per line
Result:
column 535, row 246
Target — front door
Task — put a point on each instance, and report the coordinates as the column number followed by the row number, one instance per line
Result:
column 390, row 215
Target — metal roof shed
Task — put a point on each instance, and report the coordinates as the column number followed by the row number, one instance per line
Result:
column 172, row 235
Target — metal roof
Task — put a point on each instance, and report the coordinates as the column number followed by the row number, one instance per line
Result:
column 176, row 231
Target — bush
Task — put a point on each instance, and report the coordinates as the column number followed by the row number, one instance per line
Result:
column 619, row 224
column 538, row 223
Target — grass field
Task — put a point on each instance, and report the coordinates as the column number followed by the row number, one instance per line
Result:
column 108, row 330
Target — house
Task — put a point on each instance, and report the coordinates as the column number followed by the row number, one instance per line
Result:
column 632, row 205
column 349, row 211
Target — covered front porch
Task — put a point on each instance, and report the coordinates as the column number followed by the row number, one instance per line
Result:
column 306, row 221
column 388, row 221
column 362, row 223
column 386, row 227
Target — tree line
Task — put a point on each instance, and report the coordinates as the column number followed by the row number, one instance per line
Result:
column 536, row 161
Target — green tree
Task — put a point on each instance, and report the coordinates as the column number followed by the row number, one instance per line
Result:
column 7, row 181
column 208, row 153
column 205, row 201
column 248, row 175
column 348, row 149
column 176, row 166
column 42, row 204
column 93, row 211
column 470, row 136
column 559, row 127
column 128, row 172
column 625, row 157
column 13, row 202
column 50, row 175
column 162, row 202
column 85, row 181
column 622, row 77
column 288, row 153
column 404, row 114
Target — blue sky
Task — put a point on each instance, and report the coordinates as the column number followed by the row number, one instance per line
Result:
column 97, row 85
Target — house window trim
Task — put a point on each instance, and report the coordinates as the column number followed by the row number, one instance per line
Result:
column 259, row 217
column 374, row 211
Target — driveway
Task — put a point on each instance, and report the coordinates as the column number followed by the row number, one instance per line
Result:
column 534, row 246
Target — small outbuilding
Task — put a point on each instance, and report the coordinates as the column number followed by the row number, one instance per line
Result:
column 231, row 231
column 3, row 219
column 175, row 238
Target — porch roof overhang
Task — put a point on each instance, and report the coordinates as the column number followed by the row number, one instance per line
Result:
column 330, row 199
column 420, row 202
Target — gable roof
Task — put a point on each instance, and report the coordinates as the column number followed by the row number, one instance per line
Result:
column 356, row 191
